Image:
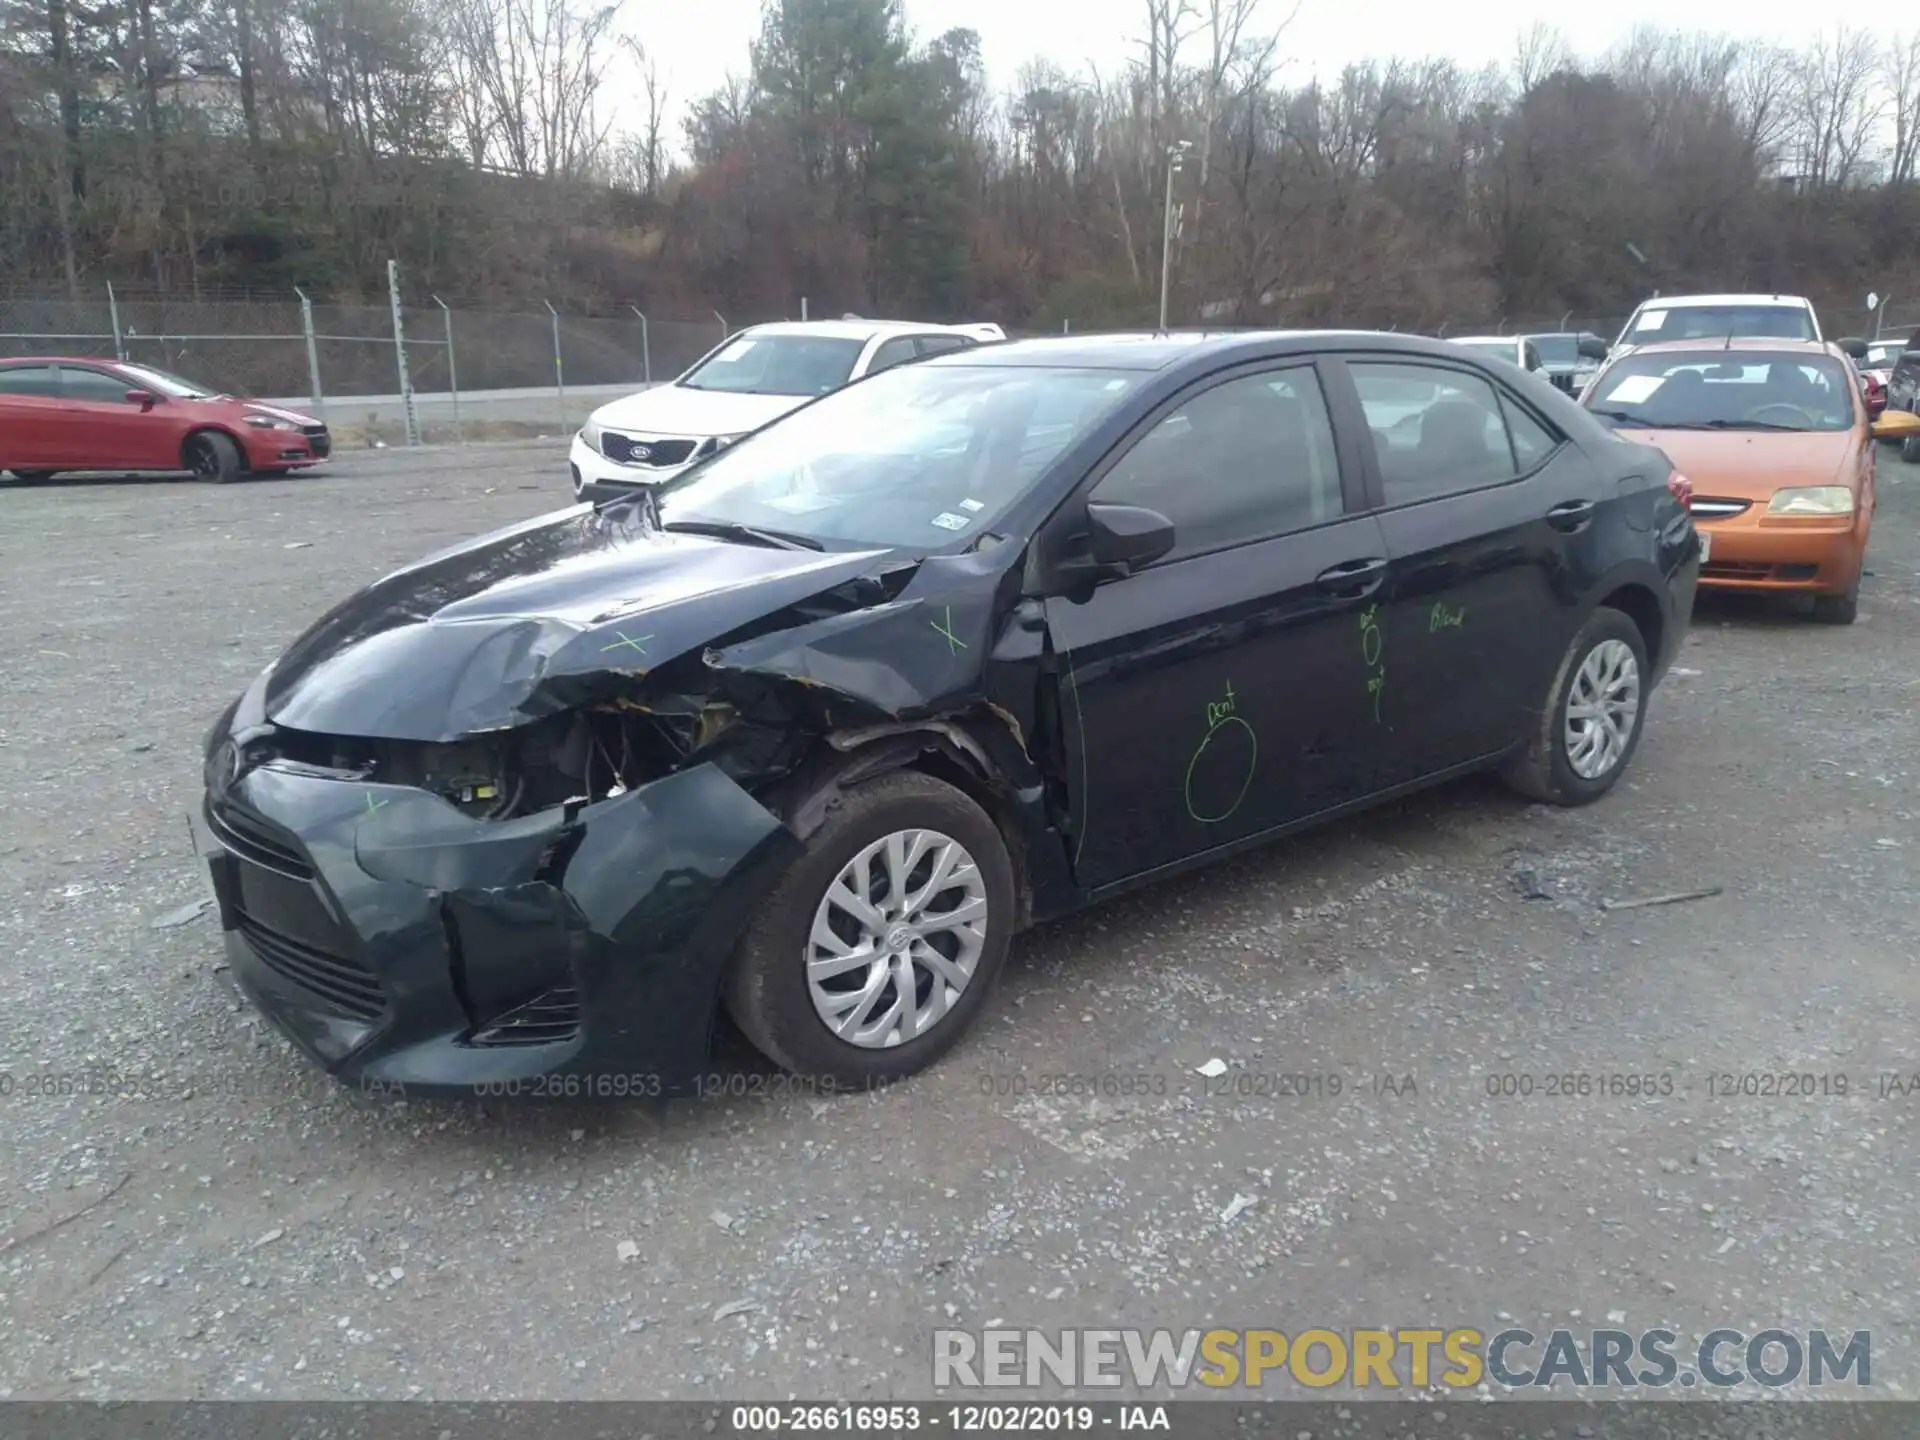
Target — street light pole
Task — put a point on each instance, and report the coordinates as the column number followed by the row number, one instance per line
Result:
column 1174, row 153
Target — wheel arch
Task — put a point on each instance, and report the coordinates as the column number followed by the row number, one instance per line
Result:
column 1637, row 600
column 210, row 427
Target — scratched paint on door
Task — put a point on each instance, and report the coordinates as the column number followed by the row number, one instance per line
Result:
column 1221, row 770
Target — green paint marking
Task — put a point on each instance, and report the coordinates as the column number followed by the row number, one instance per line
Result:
column 1372, row 644
column 1445, row 617
column 954, row 643
column 627, row 642
column 1221, row 717
column 373, row 804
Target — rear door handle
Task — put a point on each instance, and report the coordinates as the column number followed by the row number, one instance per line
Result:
column 1356, row 577
column 1570, row 516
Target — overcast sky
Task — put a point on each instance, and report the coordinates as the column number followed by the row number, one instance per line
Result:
column 698, row 43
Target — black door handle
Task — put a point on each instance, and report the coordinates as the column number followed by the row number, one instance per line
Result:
column 1570, row 516
column 1356, row 577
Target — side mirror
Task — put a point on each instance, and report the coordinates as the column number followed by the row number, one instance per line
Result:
column 1857, row 349
column 1594, row 348
column 1120, row 539
column 145, row 399
column 1896, row 425
column 1125, row 537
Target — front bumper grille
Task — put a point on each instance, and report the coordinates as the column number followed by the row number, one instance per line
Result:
column 319, row 441
column 253, row 839
column 655, row 454
column 1717, row 507
column 337, row 981
column 546, row 1020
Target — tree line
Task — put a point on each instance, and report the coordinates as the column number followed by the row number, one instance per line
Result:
column 509, row 149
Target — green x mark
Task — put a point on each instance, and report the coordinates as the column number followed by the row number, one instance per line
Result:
column 626, row 641
column 373, row 804
column 954, row 643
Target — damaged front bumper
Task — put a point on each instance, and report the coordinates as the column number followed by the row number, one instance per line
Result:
column 406, row 946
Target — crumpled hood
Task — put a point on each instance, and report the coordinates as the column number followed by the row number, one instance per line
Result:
column 680, row 410
column 529, row 621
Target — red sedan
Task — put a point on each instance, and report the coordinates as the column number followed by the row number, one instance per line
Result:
column 65, row 414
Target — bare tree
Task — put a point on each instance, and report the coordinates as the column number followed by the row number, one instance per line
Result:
column 1901, row 73
column 1541, row 50
column 1837, row 107
column 649, row 144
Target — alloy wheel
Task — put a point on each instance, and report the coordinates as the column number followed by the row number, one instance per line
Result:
column 205, row 459
column 896, row 939
column 1603, row 705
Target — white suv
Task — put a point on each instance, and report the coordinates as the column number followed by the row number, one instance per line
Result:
column 1713, row 317
column 749, row 380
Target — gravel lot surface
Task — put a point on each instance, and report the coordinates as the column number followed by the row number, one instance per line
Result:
column 226, row 1223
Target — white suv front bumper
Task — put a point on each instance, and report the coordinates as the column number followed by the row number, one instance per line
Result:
column 595, row 477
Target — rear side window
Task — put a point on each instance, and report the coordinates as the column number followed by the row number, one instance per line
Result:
column 892, row 353
column 29, row 380
column 940, row 344
column 1438, row 431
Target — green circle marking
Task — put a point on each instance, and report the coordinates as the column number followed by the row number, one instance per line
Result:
column 1253, row 757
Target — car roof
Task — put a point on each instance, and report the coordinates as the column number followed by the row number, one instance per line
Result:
column 1746, row 345
column 1681, row 302
column 1487, row 339
column 11, row 360
column 1163, row 349
column 848, row 329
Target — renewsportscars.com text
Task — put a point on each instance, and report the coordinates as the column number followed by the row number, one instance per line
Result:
column 1366, row 1359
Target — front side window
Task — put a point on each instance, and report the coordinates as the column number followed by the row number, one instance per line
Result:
column 1714, row 322
column 1247, row 459
column 1436, row 431
column 1749, row 390
column 918, row 458
column 163, row 382
column 1557, row 349
column 777, row 365
column 894, row 352
column 93, row 386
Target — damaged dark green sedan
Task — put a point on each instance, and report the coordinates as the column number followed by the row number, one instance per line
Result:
column 809, row 733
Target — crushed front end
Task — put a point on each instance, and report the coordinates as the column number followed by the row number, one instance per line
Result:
column 453, row 919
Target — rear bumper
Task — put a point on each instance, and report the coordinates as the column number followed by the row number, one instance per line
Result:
column 406, row 947
column 1754, row 552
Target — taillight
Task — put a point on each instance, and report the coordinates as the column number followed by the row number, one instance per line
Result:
column 1682, row 489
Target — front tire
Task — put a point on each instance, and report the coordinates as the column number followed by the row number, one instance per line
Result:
column 1841, row 609
column 877, row 948
column 214, row 457
column 33, row 477
column 1590, row 725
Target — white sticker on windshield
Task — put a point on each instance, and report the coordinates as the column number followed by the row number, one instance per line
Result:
column 947, row 520
column 1635, row 389
column 1116, row 384
column 1652, row 320
column 801, row 504
column 971, row 505
column 736, row 349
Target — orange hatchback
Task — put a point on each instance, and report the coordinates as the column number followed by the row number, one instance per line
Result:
column 1776, row 437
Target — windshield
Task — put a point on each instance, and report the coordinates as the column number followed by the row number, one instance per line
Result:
column 915, row 458
column 1881, row 356
column 165, row 383
column 1713, row 322
column 1753, row 390
column 1557, row 349
column 776, row 365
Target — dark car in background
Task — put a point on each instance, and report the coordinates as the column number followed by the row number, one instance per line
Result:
column 1903, row 391
column 809, row 732
column 64, row 414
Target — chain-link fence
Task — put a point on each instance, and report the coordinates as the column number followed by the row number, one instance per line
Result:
column 415, row 356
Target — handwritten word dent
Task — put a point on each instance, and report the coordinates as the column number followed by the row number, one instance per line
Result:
column 1218, row 710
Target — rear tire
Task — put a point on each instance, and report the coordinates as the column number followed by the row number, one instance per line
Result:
column 1585, row 736
column 1910, row 449
column 777, row 991
column 33, row 477
column 213, row 457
